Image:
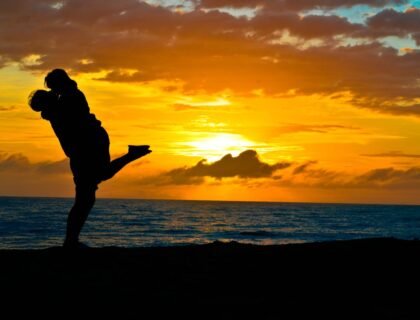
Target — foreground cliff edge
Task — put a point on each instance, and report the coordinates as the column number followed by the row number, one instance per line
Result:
column 343, row 280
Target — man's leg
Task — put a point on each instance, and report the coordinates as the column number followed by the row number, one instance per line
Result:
column 84, row 201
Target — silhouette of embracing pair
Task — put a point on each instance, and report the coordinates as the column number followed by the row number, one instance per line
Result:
column 84, row 141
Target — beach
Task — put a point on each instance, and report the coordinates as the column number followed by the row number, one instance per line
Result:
column 368, row 278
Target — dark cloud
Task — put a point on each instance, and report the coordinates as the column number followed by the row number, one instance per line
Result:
column 20, row 163
column 229, row 3
column 307, row 176
column 245, row 165
column 53, row 167
column 7, row 108
column 316, row 26
column 392, row 22
column 297, row 4
column 379, row 175
column 13, row 162
column 123, row 76
column 267, row 22
column 332, row 4
column 302, row 168
column 388, row 178
column 317, row 128
column 393, row 154
column 393, row 105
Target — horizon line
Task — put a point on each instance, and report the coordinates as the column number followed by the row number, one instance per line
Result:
column 215, row 200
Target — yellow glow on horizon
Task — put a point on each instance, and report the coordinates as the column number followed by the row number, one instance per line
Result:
column 214, row 146
column 203, row 102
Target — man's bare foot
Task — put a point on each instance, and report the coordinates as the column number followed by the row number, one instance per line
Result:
column 74, row 245
column 138, row 151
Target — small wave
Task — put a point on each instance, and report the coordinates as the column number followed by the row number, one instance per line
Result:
column 178, row 231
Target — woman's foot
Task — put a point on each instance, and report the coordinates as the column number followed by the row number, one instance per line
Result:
column 138, row 151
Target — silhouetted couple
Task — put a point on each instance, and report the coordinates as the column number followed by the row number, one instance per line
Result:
column 84, row 141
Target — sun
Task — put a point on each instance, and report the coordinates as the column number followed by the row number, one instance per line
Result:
column 216, row 145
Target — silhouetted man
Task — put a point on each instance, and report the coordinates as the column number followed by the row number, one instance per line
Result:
column 84, row 141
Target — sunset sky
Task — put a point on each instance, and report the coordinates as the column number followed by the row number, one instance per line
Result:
column 256, row 100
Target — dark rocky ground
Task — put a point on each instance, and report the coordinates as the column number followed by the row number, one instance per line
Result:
column 358, row 279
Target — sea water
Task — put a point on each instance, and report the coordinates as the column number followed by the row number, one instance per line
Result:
column 35, row 223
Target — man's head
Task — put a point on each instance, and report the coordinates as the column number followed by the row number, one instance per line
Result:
column 39, row 100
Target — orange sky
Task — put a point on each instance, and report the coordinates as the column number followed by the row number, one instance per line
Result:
column 309, row 101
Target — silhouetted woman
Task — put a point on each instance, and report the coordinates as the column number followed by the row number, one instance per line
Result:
column 84, row 141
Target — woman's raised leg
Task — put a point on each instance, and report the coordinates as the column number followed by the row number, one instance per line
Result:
column 133, row 153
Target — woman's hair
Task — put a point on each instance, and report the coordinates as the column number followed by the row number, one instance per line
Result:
column 58, row 79
column 38, row 100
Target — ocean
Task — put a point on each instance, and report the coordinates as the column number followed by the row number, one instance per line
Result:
column 37, row 223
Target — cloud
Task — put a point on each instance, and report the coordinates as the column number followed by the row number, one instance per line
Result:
column 332, row 4
column 53, row 167
column 317, row 128
column 230, row 3
column 392, row 154
column 7, row 108
column 315, row 26
column 302, row 168
column 248, row 170
column 307, row 176
column 277, row 49
column 21, row 164
column 13, row 162
column 297, row 5
column 121, row 76
column 388, row 178
column 392, row 22
column 246, row 165
column 394, row 105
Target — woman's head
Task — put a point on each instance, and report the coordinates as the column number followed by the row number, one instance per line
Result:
column 58, row 80
column 39, row 100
